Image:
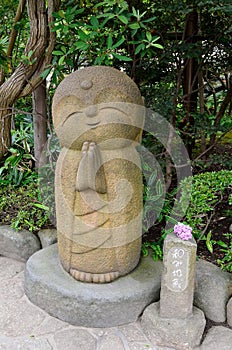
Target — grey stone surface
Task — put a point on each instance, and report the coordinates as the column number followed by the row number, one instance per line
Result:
column 25, row 343
column 20, row 321
column 15, row 285
column 112, row 337
column 87, row 304
column 133, row 332
column 229, row 312
column 213, row 288
column 17, row 245
column 73, row 339
column 138, row 346
column 10, row 268
column 181, row 334
column 218, row 338
column 177, row 283
column 47, row 237
column 49, row 325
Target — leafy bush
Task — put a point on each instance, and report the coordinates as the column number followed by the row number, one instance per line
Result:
column 226, row 248
column 17, row 168
column 206, row 193
column 22, row 207
column 224, row 262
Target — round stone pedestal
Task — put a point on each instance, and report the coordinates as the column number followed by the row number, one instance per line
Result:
column 122, row 301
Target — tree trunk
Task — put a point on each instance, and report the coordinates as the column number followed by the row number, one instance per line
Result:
column 202, row 109
column 5, row 129
column 40, row 124
column 190, row 78
column 27, row 76
column 226, row 102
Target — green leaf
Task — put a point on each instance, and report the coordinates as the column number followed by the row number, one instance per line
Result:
column 45, row 73
column 123, row 19
column 119, row 43
column 82, row 35
column 134, row 12
column 139, row 48
column 155, row 39
column 77, row 12
column 13, row 160
column 57, row 53
column 149, row 20
column 94, row 22
column 81, row 45
column 222, row 244
column 106, row 15
column 158, row 46
column 109, row 41
column 41, row 206
column 65, row 29
column 149, row 36
column 30, row 53
column 27, row 156
column 144, row 250
column 61, row 60
column 172, row 220
column 61, row 14
column 121, row 57
column 134, row 31
column 19, row 178
column 209, row 246
column 134, row 26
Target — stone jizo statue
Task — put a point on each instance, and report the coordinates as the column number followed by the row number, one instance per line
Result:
column 98, row 117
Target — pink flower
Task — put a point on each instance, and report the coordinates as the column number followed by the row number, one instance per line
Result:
column 183, row 231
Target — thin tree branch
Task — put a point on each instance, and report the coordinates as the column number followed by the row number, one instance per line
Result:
column 13, row 34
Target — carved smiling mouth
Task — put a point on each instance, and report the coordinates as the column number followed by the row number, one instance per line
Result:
column 93, row 124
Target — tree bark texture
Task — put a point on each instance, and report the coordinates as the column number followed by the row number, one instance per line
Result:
column 27, row 75
column 40, row 124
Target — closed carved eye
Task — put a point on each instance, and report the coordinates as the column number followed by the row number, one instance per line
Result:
column 69, row 115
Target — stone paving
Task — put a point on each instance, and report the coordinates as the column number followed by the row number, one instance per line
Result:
column 24, row 326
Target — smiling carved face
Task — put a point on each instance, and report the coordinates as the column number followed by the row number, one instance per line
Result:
column 86, row 110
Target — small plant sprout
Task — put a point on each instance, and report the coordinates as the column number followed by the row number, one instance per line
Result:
column 183, row 231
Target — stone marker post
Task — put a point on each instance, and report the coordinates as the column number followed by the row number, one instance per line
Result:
column 177, row 285
column 173, row 321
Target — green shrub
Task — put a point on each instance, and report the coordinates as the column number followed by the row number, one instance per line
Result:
column 226, row 248
column 206, row 192
column 203, row 193
column 22, row 208
column 17, row 168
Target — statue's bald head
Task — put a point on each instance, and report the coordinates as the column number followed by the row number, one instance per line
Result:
column 80, row 103
column 98, row 84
